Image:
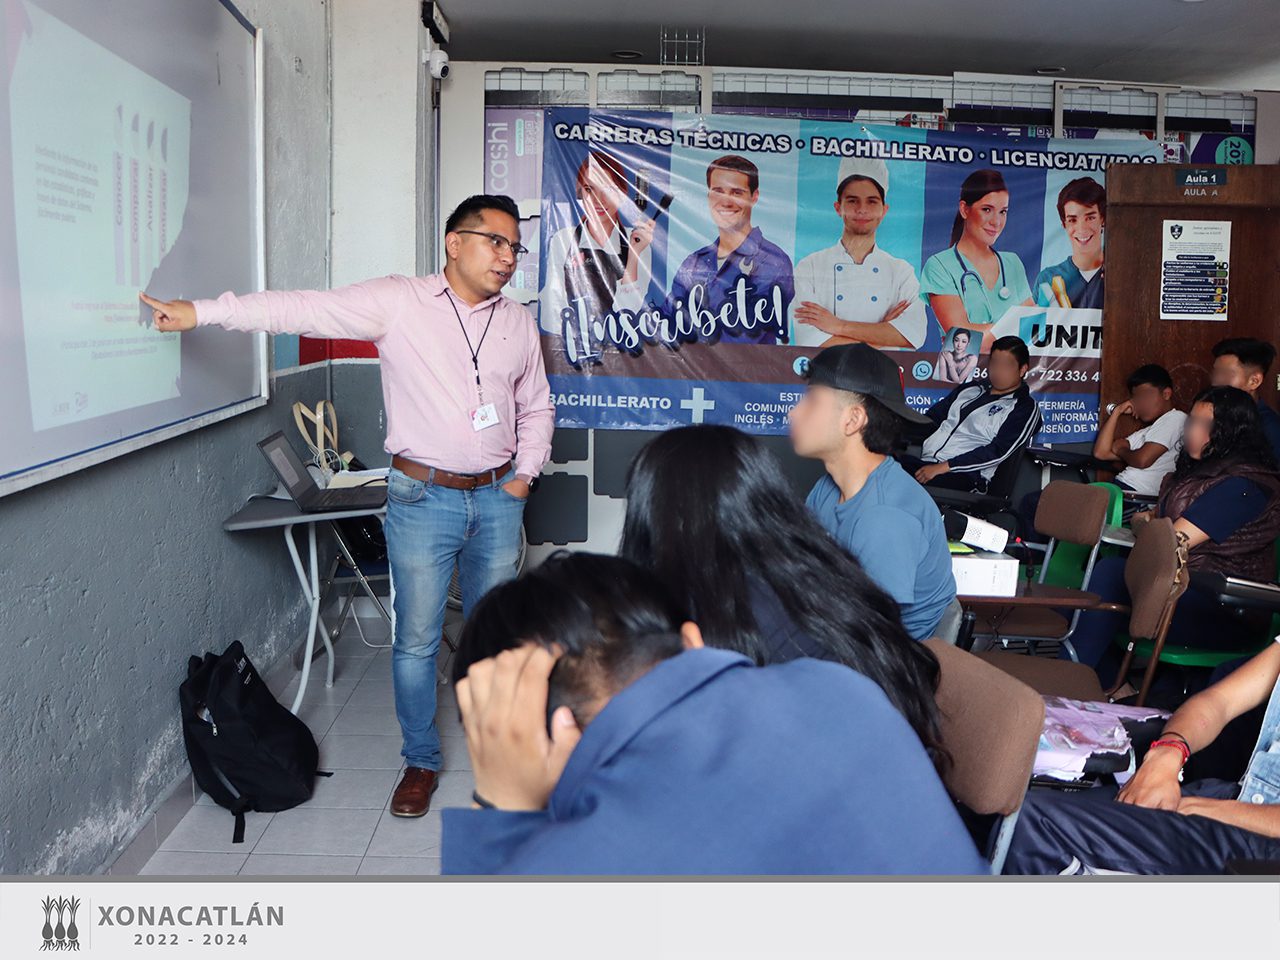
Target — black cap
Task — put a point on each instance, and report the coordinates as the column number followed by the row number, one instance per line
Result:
column 863, row 369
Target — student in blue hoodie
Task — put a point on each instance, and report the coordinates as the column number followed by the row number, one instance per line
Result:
column 606, row 740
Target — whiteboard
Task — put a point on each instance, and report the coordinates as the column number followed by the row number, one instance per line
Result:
column 131, row 158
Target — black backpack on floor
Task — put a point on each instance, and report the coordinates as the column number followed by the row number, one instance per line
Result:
column 247, row 751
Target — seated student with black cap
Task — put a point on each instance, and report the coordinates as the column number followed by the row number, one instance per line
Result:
column 1243, row 363
column 606, row 739
column 980, row 424
column 849, row 418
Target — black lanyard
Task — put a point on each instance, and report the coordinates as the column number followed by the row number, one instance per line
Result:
column 475, row 351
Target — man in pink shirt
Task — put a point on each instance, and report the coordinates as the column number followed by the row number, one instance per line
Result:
column 469, row 423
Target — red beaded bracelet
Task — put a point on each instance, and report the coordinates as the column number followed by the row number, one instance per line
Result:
column 1180, row 744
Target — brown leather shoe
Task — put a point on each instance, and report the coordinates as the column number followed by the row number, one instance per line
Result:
column 413, row 796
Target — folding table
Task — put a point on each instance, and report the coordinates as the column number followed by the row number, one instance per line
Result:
column 262, row 513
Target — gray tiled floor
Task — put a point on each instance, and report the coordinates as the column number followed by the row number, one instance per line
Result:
column 346, row 828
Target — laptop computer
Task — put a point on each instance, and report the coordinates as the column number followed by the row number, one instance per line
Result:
column 310, row 498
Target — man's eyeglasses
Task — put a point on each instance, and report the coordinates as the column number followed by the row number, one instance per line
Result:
column 500, row 243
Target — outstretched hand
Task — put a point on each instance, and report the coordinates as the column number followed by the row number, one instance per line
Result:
column 171, row 316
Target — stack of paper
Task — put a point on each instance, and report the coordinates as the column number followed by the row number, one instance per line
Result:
column 1075, row 730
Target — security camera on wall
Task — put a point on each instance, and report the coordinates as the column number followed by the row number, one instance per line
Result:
column 438, row 63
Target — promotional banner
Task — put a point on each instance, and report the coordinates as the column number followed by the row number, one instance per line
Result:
column 1178, row 146
column 692, row 264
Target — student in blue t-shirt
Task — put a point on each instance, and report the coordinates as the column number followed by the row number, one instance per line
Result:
column 848, row 419
column 1224, row 498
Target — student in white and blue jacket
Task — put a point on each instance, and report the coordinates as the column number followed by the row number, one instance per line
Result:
column 980, row 425
column 605, row 740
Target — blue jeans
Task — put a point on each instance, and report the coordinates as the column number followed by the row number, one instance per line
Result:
column 428, row 528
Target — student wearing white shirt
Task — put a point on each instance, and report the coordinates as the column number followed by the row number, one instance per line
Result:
column 1151, row 451
column 596, row 266
column 854, row 291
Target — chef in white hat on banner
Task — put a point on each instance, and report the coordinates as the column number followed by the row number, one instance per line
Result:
column 854, row 291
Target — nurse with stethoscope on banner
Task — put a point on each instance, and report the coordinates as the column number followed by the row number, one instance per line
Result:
column 971, row 284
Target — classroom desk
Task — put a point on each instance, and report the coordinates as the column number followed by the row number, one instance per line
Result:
column 1047, row 458
column 997, row 610
column 263, row 513
column 1118, row 536
column 1032, row 594
column 1237, row 591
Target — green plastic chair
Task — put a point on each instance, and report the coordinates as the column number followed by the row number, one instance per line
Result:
column 1066, row 565
column 1194, row 656
column 1207, row 658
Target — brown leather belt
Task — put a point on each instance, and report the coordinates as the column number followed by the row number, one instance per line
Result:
column 454, row 481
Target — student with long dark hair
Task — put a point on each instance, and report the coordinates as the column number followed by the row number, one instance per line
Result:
column 710, row 512
column 1224, row 500
column 1224, row 492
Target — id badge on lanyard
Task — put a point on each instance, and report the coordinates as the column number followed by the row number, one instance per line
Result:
column 485, row 415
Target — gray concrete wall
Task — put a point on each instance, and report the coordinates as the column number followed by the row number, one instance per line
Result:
column 362, row 419
column 113, row 576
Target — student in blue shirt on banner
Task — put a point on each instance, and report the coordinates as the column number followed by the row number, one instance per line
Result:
column 605, row 739
column 738, row 256
column 971, row 284
column 1078, row 281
